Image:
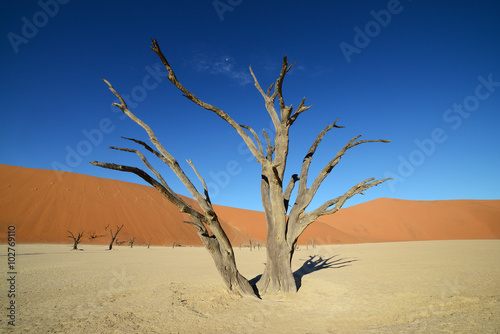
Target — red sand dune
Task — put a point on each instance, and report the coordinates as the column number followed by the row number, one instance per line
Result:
column 43, row 208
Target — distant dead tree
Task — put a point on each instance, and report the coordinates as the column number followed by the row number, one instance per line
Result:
column 312, row 242
column 285, row 222
column 118, row 242
column 113, row 235
column 76, row 239
column 93, row 235
column 131, row 241
column 149, row 242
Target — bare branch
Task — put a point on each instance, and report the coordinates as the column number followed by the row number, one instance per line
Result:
column 257, row 139
column 308, row 158
column 257, row 85
column 205, row 188
column 270, row 88
column 289, row 189
column 299, row 111
column 269, row 100
column 337, row 203
column 146, row 146
column 158, row 175
column 165, row 156
column 146, row 162
column 93, row 235
column 172, row 194
column 329, row 166
column 113, row 235
column 183, row 206
column 199, row 226
column 305, row 195
column 269, row 148
column 76, row 239
column 192, row 97
column 279, row 86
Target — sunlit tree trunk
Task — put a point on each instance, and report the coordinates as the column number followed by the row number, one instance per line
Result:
column 284, row 228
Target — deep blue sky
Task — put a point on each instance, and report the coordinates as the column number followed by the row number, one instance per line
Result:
column 427, row 78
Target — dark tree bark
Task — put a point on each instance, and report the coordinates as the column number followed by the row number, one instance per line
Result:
column 113, row 235
column 283, row 227
column 131, row 242
column 76, row 239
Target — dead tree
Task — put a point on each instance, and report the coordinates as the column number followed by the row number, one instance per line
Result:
column 118, row 242
column 149, row 242
column 131, row 241
column 313, row 243
column 283, row 226
column 76, row 239
column 93, row 235
column 113, row 235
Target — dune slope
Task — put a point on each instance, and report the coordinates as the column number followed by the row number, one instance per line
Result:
column 43, row 209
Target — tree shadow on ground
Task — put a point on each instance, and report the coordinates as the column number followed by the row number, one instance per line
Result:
column 315, row 263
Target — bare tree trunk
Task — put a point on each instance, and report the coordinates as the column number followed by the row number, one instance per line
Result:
column 225, row 262
column 217, row 243
column 219, row 247
column 278, row 275
column 113, row 235
column 283, row 229
column 76, row 239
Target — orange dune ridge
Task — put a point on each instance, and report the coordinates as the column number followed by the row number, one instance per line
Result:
column 43, row 209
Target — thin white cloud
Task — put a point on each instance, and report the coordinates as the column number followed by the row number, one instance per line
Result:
column 221, row 64
column 314, row 71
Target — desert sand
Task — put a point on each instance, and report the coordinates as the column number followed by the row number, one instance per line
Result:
column 44, row 204
column 397, row 287
column 392, row 266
